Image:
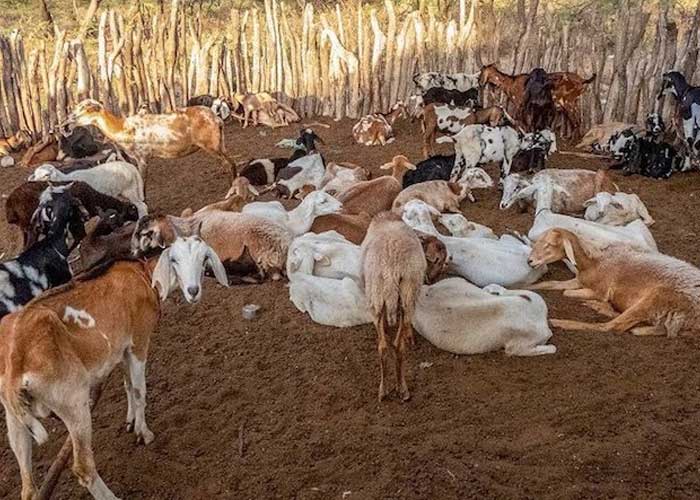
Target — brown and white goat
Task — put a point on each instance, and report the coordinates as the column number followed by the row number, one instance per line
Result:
column 169, row 135
column 632, row 288
column 393, row 271
column 376, row 129
column 66, row 342
column 451, row 119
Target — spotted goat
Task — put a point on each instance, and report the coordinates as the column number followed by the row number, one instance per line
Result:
column 377, row 129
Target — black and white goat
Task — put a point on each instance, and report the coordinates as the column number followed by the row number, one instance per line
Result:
column 43, row 265
column 265, row 171
column 687, row 99
column 438, row 95
column 454, row 81
column 219, row 105
column 535, row 148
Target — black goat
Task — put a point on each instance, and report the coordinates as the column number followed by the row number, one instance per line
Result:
column 468, row 98
column 23, row 201
column 435, row 168
column 79, row 143
column 264, row 171
column 537, row 111
column 687, row 99
column 44, row 265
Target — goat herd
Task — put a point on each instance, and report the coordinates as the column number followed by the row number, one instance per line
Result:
column 355, row 250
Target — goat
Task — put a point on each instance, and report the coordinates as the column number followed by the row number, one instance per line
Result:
column 477, row 144
column 265, row 109
column 44, row 264
column 598, row 137
column 299, row 220
column 454, row 81
column 108, row 239
column 114, row 178
column 535, row 148
column 265, row 170
column 376, row 129
column 64, row 343
column 378, row 194
column 635, row 234
column 353, row 227
column 461, row 318
column 170, row 135
column 616, row 209
column 442, row 195
column 15, row 142
column 632, row 288
column 439, row 95
column 452, row 119
column 649, row 158
column 537, row 112
column 482, row 261
column 22, row 202
column 439, row 168
column 459, row 227
column 566, row 90
column 43, row 151
column 341, row 176
column 687, row 99
column 249, row 246
column 573, row 188
column 219, row 105
column 393, row 270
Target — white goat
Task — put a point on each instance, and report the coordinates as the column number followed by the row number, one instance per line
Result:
column 307, row 170
column 334, row 299
column 480, row 260
column 327, row 255
column 461, row 318
column 600, row 236
column 115, row 178
column 460, row 227
column 338, row 178
column 299, row 220
column 617, row 209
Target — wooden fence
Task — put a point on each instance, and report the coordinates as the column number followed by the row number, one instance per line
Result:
column 341, row 63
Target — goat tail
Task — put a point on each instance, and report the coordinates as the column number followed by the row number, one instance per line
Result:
column 17, row 398
column 591, row 79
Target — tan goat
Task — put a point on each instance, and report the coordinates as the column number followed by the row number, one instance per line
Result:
column 631, row 287
column 442, row 195
column 169, row 135
column 393, row 270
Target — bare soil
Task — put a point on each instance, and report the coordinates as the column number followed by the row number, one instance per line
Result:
column 608, row 416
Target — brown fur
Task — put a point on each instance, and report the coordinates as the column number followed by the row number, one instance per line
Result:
column 41, row 152
column 393, row 270
column 444, row 196
column 568, row 87
column 634, row 288
column 11, row 144
column 352, row 226
column 189, row 130
column 378, row 194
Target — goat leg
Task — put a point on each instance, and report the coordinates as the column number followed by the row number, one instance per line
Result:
column 61, row 460
column 571, row 284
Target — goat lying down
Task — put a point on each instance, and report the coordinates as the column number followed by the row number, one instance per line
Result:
column 482, row 261
column 461, row 318
column 617, row 209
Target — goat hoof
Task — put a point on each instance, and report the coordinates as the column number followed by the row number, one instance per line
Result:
column 145, row 438
column 382, row 393
column 130, row 427
column 405, row 395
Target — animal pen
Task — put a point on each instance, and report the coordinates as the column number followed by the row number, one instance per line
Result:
column 340, row 62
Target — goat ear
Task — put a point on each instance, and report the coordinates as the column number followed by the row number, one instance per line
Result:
column 162, row 275
column 322, row 260
column 455, row 188
column 569, row 251
column 589, row 202
column 217, row 267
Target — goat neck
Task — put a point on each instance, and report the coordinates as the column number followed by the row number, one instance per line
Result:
column 110, row 125
column 300, row 220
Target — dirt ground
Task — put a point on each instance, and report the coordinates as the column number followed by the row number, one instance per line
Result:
column 608, row 416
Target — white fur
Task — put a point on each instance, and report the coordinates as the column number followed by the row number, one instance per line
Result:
column 299, row 220
column 460, row 318
column 617, row 209
column 80, row 317
column 482, row 261
column 311, row 174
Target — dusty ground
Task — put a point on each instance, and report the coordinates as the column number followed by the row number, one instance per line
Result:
column 606, row 417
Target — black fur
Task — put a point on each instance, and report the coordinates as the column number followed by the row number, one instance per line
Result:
column 439, row 95
column 435, row 168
